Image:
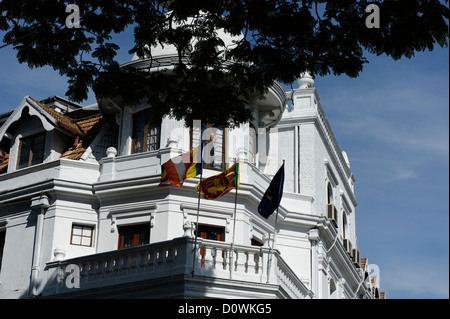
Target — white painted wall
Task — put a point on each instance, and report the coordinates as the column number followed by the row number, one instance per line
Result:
column 123, row 190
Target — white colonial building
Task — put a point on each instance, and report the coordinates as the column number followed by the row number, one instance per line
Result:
column 82, row 216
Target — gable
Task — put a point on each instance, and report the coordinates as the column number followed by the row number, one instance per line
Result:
column 76, row 130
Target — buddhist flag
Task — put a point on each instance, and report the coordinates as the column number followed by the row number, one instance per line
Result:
column 272, row 197
column 180, row 168
column 218, row 185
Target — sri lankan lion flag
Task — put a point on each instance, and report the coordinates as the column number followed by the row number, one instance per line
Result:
column 218, row 185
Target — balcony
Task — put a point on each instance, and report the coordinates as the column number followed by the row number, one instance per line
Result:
column 165, row 270
column 33, row 179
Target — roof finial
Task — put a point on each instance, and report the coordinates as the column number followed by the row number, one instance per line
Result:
column 305, row 81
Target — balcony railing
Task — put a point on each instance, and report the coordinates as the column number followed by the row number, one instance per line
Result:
column 213, row 259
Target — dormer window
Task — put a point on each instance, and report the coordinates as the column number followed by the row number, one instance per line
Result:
column 31, row 150
column 145, row 133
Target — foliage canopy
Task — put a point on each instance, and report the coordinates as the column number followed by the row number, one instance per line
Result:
column 278, row 40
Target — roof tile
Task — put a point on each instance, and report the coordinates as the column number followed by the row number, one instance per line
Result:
column 63, row 121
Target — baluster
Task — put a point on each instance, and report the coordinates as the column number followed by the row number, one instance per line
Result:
column 174, row 255
column 235, row 259
column 208, row 257
column 160, row 259
column 85, row 272
column 164, row 253
column 219, row 262
column 251, row 263
column 240, row 261
column 109, row 267
column 246, row 255
column 170, row 260
column 225, row 258
column 202, row 254
column 256, row 259
column 147, row 257
column 128, row 263
column 155, row 259
column 198, row 256
column 151, row 259
column 61, row 274
column 122, row 264
column 115, row 265
column 214, row 253
column 138, row 262
column 93, row 270
column 102, row 268
column 81, row 269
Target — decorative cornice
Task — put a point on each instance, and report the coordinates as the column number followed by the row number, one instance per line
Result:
column 205, row 208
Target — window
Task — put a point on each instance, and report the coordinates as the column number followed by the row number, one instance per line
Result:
column 333, row 290
column 344, row 225
column 2, row 245
column 134, row 235
column 82, row 235
column 109, row 139
column 31, row 150
column 145, row 133
column 330, row 194
column 256, row 242
column 212, row 233
column 213, row 156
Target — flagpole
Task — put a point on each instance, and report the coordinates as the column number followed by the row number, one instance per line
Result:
column 198, row 210
column 273, row 246
column 196, row 224
column 273, row 243
column 234, row 224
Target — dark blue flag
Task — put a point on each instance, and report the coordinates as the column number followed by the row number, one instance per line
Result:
column 272, row 197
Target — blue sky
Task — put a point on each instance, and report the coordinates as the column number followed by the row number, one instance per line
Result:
column 393, row 122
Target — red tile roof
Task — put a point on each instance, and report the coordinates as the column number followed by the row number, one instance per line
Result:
column 62, row 120
column 90, row 126
column 4, row 160
column 85, row 128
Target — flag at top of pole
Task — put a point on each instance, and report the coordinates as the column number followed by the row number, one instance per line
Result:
column 272, row 197
column 218, row 185
column 176, row 170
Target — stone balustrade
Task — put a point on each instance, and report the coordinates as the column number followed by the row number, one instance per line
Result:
column 213, row 259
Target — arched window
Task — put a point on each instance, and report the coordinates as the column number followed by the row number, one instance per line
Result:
column 330, row 194
column 344, row 225
column 332, row 213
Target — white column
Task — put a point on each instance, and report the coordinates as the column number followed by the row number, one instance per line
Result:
column 314, row 239
column 39, row 204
